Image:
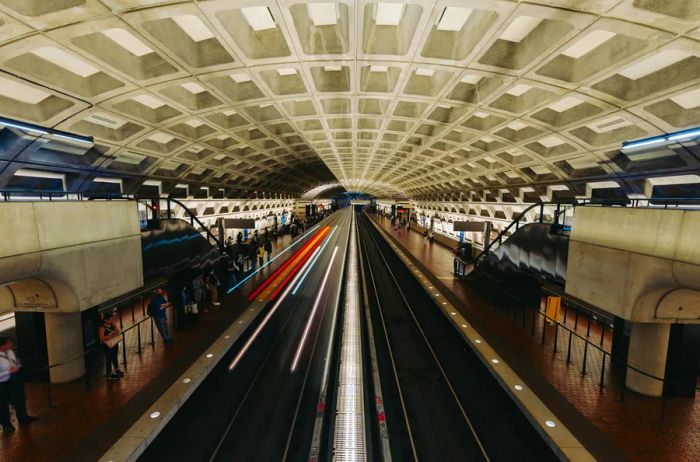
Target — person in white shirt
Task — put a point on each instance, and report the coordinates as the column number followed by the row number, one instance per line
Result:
column 11, row 387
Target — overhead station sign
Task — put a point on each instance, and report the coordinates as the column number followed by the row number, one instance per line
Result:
column 239, row 223
column 469, row 226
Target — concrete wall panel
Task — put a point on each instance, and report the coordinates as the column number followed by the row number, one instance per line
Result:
column 19, row 233
column 92, row 247
column 618, row 255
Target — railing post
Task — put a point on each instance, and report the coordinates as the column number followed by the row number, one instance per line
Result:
column 138, row 331
column 544, row 327
column 568, row 353
column 585, row 355
column 542, row 212
column 556, row 335
column 152, row 338
column 87, row 373
column 602, row 371
column 124, row 349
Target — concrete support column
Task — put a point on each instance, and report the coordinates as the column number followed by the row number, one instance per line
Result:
column 64, row 341
column 647, row 351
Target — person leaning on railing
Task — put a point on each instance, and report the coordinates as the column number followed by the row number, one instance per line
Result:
column 110, row 336
column 11, row 387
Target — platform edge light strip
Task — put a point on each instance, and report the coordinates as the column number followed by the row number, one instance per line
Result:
column 314, row 259
column 300, row 347
column 262, row 324
column 272, row 259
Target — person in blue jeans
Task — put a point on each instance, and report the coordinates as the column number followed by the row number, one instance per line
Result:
column 158, row 311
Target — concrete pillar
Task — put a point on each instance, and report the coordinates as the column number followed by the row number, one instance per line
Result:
column 64, row 339
column 647, row 351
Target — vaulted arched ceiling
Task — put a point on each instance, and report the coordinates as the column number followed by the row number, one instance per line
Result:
column 389, row 97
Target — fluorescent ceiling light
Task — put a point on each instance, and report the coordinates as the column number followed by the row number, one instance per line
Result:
column 286, row 71
column 332, row 68
column 425, row 72
column 588, row 43
column 688, row 100
column 654, row 63
column 453, row 18
column 374, row 68
column 565, row 104
column 66, row 61
column 323, row 14
column 551, row 141
column 519, row 89
column 240, row 77
column 192, row 87
column 520, row 28
column 609, row 124
column 388, row 14
column 18, row 91
column 161, row 137
column 128, row 41
column 193, row 27
column 259, row 18
column 512, row 174
column 106, row 120
column 643, row 143
column 685, row 135
column 148, row 101
column 471, row 78
column 487, row 139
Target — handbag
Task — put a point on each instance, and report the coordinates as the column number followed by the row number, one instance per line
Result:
column 112, row 342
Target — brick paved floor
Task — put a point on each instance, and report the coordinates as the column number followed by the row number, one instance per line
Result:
column 635, row 425
column 81, row 424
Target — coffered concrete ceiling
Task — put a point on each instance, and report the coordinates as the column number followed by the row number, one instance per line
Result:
column 391, row 98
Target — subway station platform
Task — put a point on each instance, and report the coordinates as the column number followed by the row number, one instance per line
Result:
column 81, row 423
column 639, row 428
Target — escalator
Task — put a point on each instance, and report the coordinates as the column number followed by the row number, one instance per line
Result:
column 172, row 245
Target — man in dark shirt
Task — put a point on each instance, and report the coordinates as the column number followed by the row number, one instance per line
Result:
column 157, row 309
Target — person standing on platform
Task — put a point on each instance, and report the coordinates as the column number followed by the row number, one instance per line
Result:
column 268, row 248
column 212, row 284
column 181, row 304
column 158, row 311
column 11, row 387
column 261, row 256
column 231, row 271
column 198, row 289
column 109, row 339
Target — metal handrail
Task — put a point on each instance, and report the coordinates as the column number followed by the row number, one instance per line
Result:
column 557, row 324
